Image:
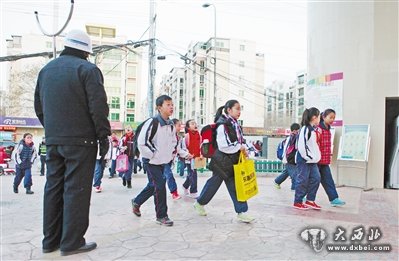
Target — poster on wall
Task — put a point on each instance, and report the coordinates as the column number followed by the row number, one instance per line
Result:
column 326, row 92
column 354, row 143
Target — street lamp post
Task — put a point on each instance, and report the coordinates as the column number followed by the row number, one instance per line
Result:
column 214, row 61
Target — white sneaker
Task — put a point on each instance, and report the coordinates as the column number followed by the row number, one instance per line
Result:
column 244, row 217
column 186, row 191
column 193, row 195
column 98, row 189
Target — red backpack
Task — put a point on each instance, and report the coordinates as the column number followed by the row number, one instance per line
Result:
column 208, row 136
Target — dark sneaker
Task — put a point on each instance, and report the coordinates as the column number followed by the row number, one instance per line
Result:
column 15, row 189
column 29, row 192
column 136, row 208
column 165, row 221
column 86, row 248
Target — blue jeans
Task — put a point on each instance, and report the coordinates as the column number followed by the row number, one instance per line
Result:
column 167, row 172
column 132, row 168
column 307, row 181
column 288, row 171
column 327, row 182
column 21, row 173
column 155, row 187
column 112, row 169
column 191, row 179
column 98, row 173
column 282, row 177
column 182, row 167
column 211, row 187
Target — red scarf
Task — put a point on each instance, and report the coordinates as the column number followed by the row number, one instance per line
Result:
column 128, row 137
column 193, row 143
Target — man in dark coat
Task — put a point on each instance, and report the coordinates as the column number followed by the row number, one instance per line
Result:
column 71, row 104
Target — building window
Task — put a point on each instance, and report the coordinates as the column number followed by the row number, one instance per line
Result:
column 269, row 107
column 131, row 71
column 301, row 91
column 201, row 93
column 131, row 57
column 180, row 105
column 114, row 116
column 300, row 101
column 242, row 47
column 130, row 117
column 241, row 64
column 242, row 107
column 281, row 96
column 181, row 92
column 301, row 79
column 241, row 122
column 130, row 104
column 280, row 105
column 202, row 78
column 115, row 103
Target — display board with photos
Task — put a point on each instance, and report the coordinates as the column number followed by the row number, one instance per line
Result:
column 354, row 143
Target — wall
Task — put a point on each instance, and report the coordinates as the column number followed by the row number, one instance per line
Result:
column 359, row 39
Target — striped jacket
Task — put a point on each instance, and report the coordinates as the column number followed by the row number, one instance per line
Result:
column 308, row 148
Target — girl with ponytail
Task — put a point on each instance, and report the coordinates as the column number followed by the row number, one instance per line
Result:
column 307, row 157
column 230, row 142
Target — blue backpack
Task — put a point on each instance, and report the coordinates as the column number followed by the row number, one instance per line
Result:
column 280, row 149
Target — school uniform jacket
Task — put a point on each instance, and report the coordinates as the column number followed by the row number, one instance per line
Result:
column 162, row 147
column 308, row 149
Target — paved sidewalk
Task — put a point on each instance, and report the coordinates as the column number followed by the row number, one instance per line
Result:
column 275, row 235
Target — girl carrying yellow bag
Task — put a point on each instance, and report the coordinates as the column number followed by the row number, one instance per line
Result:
column 245, row 178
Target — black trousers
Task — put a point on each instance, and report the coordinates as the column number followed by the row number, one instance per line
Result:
column 67, row 195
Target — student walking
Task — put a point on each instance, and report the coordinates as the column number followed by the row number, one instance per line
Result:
column 126, row 146
column 327, row 118
column 168, row 173
column 156, row 154
column 289, row 158
column 42, row 154
column 230, row 143
column 114, row 155
column 101, row 161
column 307, row 157
column 25, row 155
column 192, row 142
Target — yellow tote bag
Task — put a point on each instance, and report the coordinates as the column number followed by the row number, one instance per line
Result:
column 245, row 178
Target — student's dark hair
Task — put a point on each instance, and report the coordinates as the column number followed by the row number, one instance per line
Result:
column 325, row 113
column 160, row 100
column 295, row 126
column 175, row 120
column 27, row 134
column 229, row 104
column 187, row 127
column 308, row 115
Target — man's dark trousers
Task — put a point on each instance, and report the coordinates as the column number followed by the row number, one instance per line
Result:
column 67, row 195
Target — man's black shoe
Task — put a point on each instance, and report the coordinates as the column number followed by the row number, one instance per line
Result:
column 49, row 250
column 86, row 248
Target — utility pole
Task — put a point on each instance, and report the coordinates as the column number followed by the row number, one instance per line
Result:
column 151, row 60
column 55, row 6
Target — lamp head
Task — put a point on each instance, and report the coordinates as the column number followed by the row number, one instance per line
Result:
column 206, row 5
